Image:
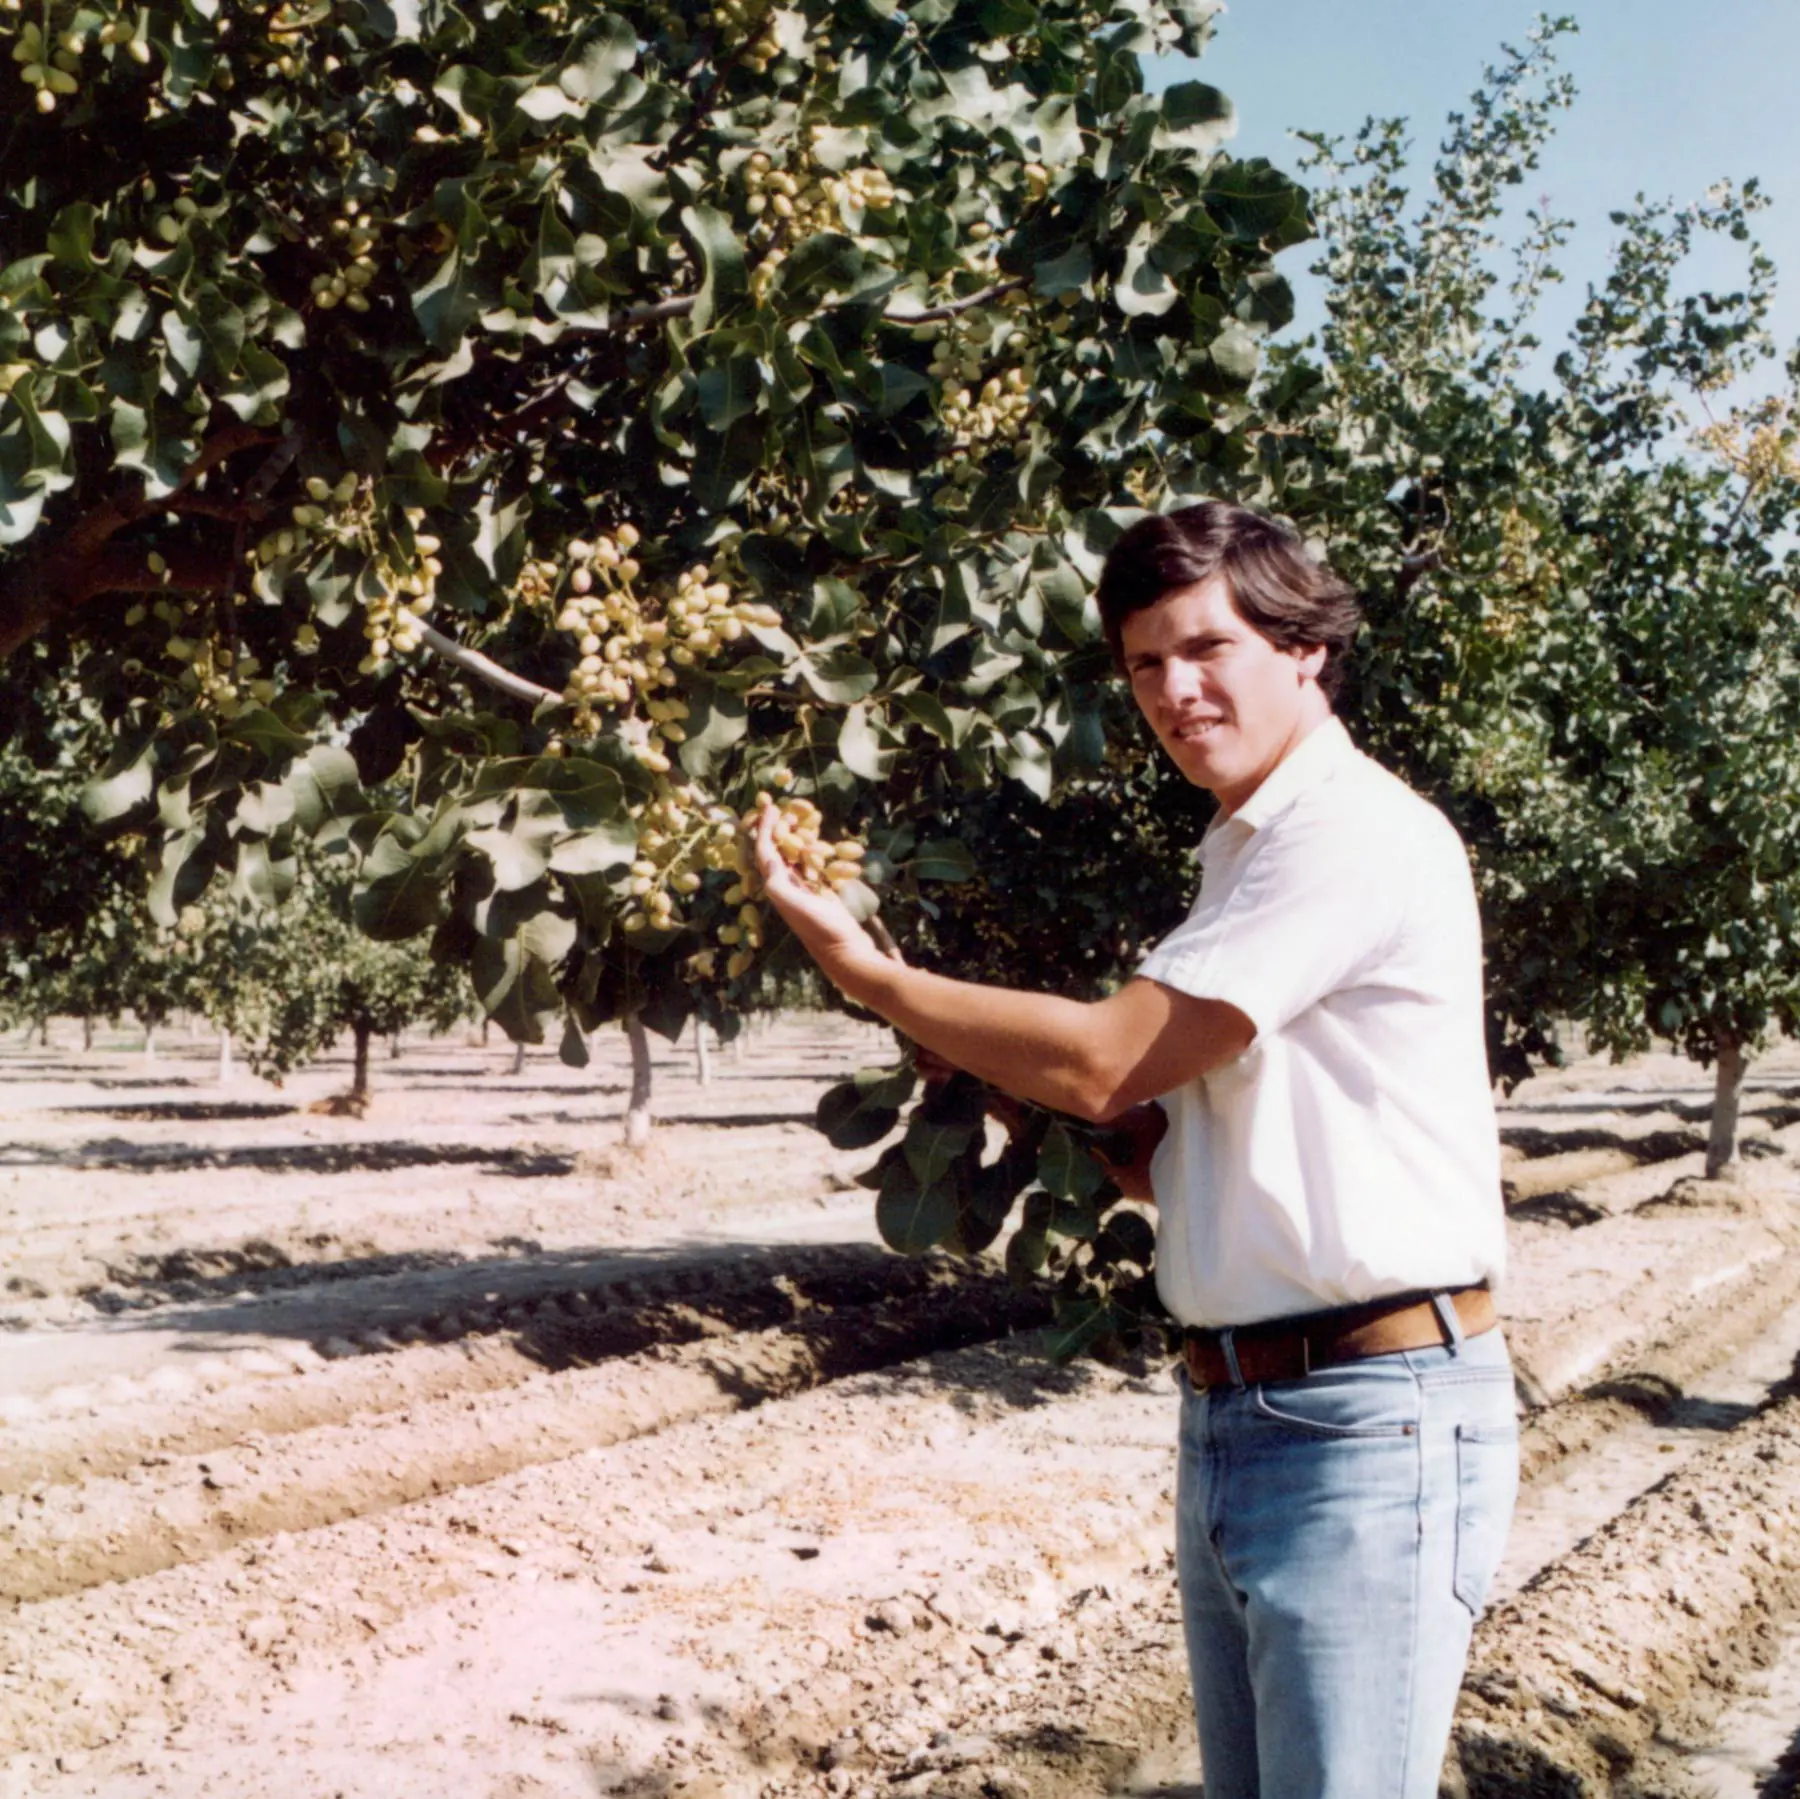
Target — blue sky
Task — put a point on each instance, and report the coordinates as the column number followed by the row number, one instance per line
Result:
column 1672, row 97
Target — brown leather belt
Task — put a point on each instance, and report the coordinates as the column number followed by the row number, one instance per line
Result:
column 1291, row 1348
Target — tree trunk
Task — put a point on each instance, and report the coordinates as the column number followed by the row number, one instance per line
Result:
column 224, row 1057
column 637, row 1113
column 87, row 1030
column 1728, row 1089
column 149, row 1044
column 359, row 1077
column 394, row 1047
column 44, row 1034
column 702, row 1054
column 518, row 1066
column 487, row 1025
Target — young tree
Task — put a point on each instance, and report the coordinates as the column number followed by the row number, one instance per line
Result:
column 291, row 981
column 1582, row 637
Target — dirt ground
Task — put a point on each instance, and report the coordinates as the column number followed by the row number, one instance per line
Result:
column 451, row 1450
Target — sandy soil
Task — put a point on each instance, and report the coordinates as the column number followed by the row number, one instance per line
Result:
column 449, row 1450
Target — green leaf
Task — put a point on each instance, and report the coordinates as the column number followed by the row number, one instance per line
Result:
column 70, row 240
column 1130, row 1238
column 926, row 709
column 518, row 855
column 1080, row 1324
column 573, row 1051
column 126, row 783
column 326, row 789
column 447, row 302
column 716, row 720
column 1027, row 760
column 399, row 894
column 515, row 987
column 728, row 391
column 1195, row 118
column 586, row 793
column 944, row 859
column 266, row 732
column 1236, row 354
column 255, row 880
column 1066, row 1170
column 1143, row 290
column 265, row 807
column 932, row 1145
column 913, row 1216
column 608, row 49
column 839, row 674
column 1027, row 1251
column 182, row 874
column 859, row 747
column 864, row 1109
column 1067, row 273
column 724, row 281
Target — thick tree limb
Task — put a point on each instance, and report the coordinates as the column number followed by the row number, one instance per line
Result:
column 39, row 590
column 1413, row 570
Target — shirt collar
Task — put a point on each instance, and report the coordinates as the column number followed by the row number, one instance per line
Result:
column 1314, row 759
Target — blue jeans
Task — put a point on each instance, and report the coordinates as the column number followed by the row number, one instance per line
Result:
column 1335, row 1540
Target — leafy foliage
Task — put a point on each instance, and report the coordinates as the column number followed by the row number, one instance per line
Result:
column 1583, row 639
column 607, row 414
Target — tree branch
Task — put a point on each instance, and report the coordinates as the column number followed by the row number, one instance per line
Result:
column 955, row 308
column 485, row 668
column 1413, row 570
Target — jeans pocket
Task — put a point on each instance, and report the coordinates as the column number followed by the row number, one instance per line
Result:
column 1487, row 1483
column 1321, row 1406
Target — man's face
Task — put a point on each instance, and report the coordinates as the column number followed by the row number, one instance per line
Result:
column 1223, row 701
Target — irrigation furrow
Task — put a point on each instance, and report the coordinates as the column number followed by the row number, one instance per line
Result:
column 431, row 1344
column 1635, row 1634
column 184, row 1508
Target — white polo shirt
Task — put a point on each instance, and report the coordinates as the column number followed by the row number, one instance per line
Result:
column 1351, row 1151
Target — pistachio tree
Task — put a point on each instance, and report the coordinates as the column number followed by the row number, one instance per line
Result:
column 578, row 421
column 288, row 982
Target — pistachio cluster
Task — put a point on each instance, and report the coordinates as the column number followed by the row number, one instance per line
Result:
column 1760, row 444
column 394, row 616
column 799, row 837
column 680, row 838
column 748, row 27
column 1528, row 578
column 404, row 587
column 216, row 674
column 631, row 645
column 983, row 407
column 347, row 285
column 48, row 68
column 790, row 204
column 320, row 515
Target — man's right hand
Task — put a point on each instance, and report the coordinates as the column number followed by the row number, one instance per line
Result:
column 1129, row 1143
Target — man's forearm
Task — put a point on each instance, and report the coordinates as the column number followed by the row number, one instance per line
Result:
column 1034, row 1045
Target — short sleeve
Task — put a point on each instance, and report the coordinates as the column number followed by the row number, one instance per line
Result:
column 1306, row 909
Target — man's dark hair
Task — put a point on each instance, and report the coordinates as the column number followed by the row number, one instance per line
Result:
column 1276, row 587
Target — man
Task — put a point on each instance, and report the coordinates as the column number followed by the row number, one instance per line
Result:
column 1327, row 1182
